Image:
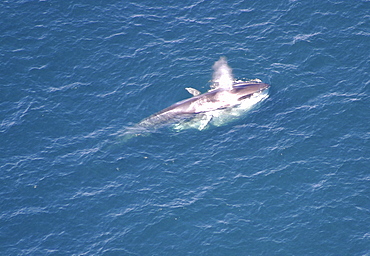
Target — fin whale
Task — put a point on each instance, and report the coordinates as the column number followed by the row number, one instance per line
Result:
column 206, row 103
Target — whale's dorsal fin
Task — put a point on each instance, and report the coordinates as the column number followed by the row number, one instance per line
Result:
column 193, row 91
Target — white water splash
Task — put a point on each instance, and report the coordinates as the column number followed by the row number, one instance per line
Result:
column 222, row 75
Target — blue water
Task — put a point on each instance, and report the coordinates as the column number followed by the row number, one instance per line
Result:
column 291, row 177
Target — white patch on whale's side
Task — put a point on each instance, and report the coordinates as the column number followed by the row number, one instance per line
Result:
column 221, row 116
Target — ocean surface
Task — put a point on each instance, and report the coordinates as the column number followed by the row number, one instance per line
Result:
column 290, row 177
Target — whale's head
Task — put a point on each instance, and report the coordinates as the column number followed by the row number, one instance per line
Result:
column 245, row 90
